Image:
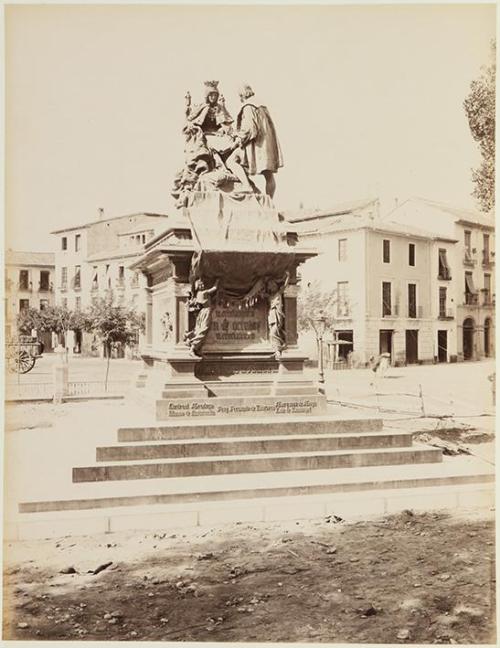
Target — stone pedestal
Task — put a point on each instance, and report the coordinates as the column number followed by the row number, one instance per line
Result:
column 242, row 244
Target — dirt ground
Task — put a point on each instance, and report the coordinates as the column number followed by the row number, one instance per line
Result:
column 409, row 578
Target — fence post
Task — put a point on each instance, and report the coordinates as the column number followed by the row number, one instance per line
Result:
column 422, row 404
column 60, row 375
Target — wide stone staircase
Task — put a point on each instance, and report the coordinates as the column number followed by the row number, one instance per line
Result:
column 177, row 474
column 191, row 450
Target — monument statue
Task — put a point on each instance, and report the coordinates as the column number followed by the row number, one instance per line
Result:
column 200, row 302
column 276, row 314
column 258, row 150
column 218, row 157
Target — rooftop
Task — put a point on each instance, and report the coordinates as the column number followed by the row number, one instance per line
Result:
column 302, row 215
column 13, row 257
column 458, row 214
column 104, row 220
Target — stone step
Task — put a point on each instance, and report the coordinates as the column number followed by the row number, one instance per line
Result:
column 253, row 445
column 245, row 428
column 218, row 465
column 85, row 496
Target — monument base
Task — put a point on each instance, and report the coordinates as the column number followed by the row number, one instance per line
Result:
column 223, row 407
column 234, row 385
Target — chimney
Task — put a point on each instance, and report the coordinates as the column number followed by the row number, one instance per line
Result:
column 396, row 203
column 101, row 213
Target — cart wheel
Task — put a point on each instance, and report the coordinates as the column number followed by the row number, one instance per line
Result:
column 25, row 362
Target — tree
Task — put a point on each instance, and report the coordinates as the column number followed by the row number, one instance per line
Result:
column 29, row 319
column 313, row 302
column 479, row 107
column 55, row 319
column 113, row 324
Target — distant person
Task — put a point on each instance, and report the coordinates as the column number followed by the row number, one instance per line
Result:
column 379, row 365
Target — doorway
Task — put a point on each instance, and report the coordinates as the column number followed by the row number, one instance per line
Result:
column 442, row 346
column 411, row 346
column 487, row 337
column 468, row 338
column 385, row 341
column 347, row 347
column 77, row 341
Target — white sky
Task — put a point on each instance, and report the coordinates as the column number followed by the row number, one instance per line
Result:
column 367, row 101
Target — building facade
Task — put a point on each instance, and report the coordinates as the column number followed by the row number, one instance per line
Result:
column 93, row 259
column 396, row 284
column 29, row 283
column 471, row 287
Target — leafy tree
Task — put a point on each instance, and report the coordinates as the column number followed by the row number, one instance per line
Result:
column 113, row 324
column 312, row 302
column 55, row 319
column 29, row 319
column 479, row 107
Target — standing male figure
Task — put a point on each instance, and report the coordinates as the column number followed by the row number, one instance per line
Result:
column 257, row 150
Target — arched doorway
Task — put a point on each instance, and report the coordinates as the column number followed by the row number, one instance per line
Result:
column 487, row 337
column 468, row 338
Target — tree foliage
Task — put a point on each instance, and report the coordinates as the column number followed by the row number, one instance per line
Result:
column 113, row 323
column 312, row 302
column 56, row 319
column 480, row 110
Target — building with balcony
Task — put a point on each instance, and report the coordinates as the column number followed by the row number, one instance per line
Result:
column 381, row 273
column 470, row 291
column 93, row 259
column 29, row 283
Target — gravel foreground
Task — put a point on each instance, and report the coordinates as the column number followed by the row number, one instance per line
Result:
column 407, row 578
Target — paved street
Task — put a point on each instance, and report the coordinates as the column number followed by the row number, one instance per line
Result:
column 80, row 368
column 461, row 389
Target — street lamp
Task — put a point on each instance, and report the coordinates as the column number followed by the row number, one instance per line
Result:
column 319, row 325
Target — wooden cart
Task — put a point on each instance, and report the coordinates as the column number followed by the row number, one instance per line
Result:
column 22, row 353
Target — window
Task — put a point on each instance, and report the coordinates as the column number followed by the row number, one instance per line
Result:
column 386, row 298
column 411, row 254
column 64, row 277
column 44, row 280
column 442, row 302
column 470, row 290
column 24, row 304
column 64, row 243
column 387, row 251
column 44, row 303
column 486, row 248
column 487, row 289
column 64, row 302
column 342, row 298
column 412, row 300
column 143, row 239
column 24, row 280
column 467, row 241
column 121, row 272
column 77, row 242
column 342, row 250
column 444, row 268
column 78, row 303
column 95, row 278
column 77, row 278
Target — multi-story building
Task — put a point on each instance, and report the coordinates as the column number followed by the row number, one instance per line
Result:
column 470, row 290
column 29, row 283
column 94, row 258
column 380, row 271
